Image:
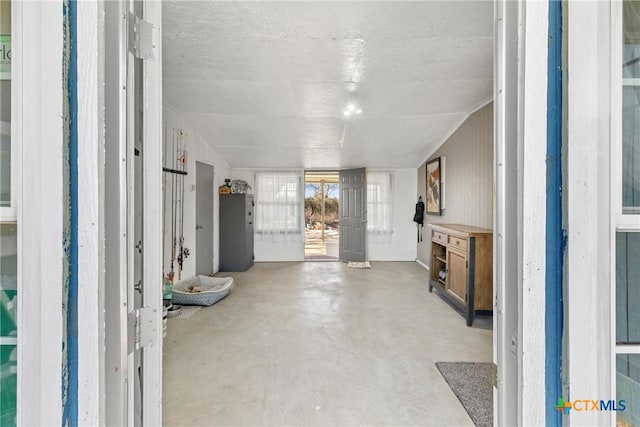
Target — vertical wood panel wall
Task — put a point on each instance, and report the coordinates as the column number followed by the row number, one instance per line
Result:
column 468, row 177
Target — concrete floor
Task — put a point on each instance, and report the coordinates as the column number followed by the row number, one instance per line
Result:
column 316, row 248
column 319, row 344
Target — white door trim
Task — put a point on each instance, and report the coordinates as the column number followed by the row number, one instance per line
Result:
column 589, row 239
column 532, row 216
column 116, row 360
column 153, row 216
column 37, row 125
column 91, row 357
column 519, row 212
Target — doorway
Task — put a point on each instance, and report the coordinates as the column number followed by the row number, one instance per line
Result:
column 321, row 233
column 321, row 216
column 204, row 219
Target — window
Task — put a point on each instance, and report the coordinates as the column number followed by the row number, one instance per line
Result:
column 627, row 288
column 379, row 205
column 627, row 376
column 8, row 233
column 626, row 144
column 5, row 104
column 279, row 202
column 631, row 108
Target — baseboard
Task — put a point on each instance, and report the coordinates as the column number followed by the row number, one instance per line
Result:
column 423, row 264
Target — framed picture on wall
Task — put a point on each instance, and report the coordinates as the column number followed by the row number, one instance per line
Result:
column 434, row 187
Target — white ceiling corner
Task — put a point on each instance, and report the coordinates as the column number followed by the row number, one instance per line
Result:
column 266, row 83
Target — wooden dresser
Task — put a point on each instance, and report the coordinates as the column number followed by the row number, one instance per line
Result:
column 462, row 267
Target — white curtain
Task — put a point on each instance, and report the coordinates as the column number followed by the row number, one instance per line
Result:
column 379, row 205
column 279, row 201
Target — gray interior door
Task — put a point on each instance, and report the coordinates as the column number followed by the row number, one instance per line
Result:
column 204, row 218
column 353, row 214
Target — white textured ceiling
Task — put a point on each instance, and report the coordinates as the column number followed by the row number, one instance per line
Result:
column 266, row 83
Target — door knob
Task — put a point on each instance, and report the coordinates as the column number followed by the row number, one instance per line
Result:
column 199, row 227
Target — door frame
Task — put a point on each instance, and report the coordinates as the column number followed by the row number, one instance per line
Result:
column 37, row 128
column 519, row 245
column 36, row 110
column 153, row 208
column 115, row 297
column 120, row 370
column 304, row 183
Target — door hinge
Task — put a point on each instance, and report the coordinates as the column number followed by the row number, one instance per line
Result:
column 142, row 328
column 494, row 375
column 466, row 264
column 143, row 39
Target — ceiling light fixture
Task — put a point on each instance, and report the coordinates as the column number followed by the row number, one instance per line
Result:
column 351, row 109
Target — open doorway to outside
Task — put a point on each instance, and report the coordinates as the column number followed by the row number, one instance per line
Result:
column 321, row 215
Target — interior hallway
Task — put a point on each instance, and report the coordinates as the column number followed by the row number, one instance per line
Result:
column 320, row 344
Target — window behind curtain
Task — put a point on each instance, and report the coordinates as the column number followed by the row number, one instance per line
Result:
column 379, row 206
column 279, row 200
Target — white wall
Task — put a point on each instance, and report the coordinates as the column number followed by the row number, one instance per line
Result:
column 403, row 240
column 197, row 150
column 468, row 173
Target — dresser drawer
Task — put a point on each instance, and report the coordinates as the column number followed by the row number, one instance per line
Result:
column 439, row 237
column 456, row 242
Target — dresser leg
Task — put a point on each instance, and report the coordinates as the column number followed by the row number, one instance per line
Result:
column 470, row 313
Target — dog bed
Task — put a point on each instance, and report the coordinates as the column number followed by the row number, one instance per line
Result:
column 201, row 290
